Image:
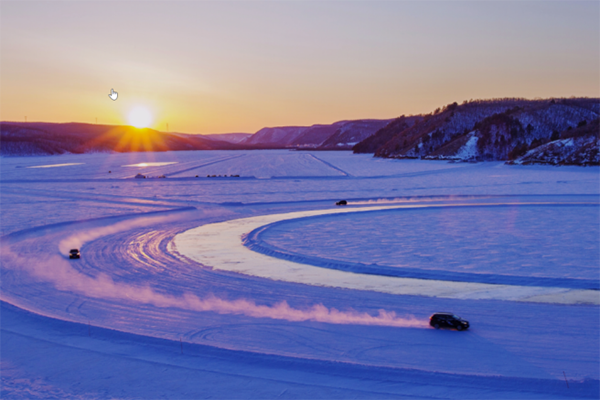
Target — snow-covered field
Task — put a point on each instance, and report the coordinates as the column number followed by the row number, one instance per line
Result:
column 258, row 286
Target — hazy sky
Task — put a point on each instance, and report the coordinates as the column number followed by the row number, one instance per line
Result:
column 214, row 67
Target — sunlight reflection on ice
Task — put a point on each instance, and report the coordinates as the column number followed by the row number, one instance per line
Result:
column 150, row 164
column 55, row 165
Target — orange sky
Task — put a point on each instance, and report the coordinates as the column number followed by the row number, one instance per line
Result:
column 209, row 67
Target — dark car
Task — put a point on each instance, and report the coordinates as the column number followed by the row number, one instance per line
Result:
column 74, row 253
column 448, row 320
column 341, row 203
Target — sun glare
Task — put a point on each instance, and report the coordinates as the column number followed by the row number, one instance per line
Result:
column 140, row 117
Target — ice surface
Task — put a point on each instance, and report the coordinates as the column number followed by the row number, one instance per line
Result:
column 135, row 319
column 260, row 165
column 219, row 246
column 516, row 240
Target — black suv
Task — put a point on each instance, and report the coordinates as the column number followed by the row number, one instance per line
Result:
column 74, row 253
column 341, row 203
column 448, row 320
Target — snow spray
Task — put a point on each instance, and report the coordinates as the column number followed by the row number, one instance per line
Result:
column 59, row 272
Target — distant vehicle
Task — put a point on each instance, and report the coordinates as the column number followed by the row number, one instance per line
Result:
column 341, row 203
column 74, row 253
column 140, row 176
column 448, row 320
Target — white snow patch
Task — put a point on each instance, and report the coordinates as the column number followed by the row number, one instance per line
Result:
column 568, row 142
column 469, row 150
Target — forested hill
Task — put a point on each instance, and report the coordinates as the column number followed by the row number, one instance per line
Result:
column 40, row 138
column 502, row 129
column 577, row 146
column 552, row 131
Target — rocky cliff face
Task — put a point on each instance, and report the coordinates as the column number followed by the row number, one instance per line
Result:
column 504, row 129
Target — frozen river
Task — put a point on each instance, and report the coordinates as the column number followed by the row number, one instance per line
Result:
column 259, row 286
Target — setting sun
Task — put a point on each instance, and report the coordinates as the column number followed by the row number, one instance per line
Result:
column 140, row 117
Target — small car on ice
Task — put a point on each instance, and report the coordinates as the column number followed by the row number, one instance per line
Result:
column 448, row 320
column 341, row 203
column 74, row 253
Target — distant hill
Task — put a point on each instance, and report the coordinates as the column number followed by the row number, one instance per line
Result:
column 279, row 136
column 352, row 132
column 228, row 137
column 315, row 135
column 370, row 144
column 486, row 130
column 341, row 135
column 520, row 131
column 40, row 138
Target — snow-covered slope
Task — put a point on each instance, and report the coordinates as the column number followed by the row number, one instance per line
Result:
column 578, row 146
column 572, row 151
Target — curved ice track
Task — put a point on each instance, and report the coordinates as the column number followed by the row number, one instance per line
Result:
column 220, row 246
column 128, row 280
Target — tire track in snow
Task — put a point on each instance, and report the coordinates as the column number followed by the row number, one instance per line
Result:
column 205, row 164
column 57, row 271
column 352, row 343
column 195, row 165
column 329, row 165
column 99, row 198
